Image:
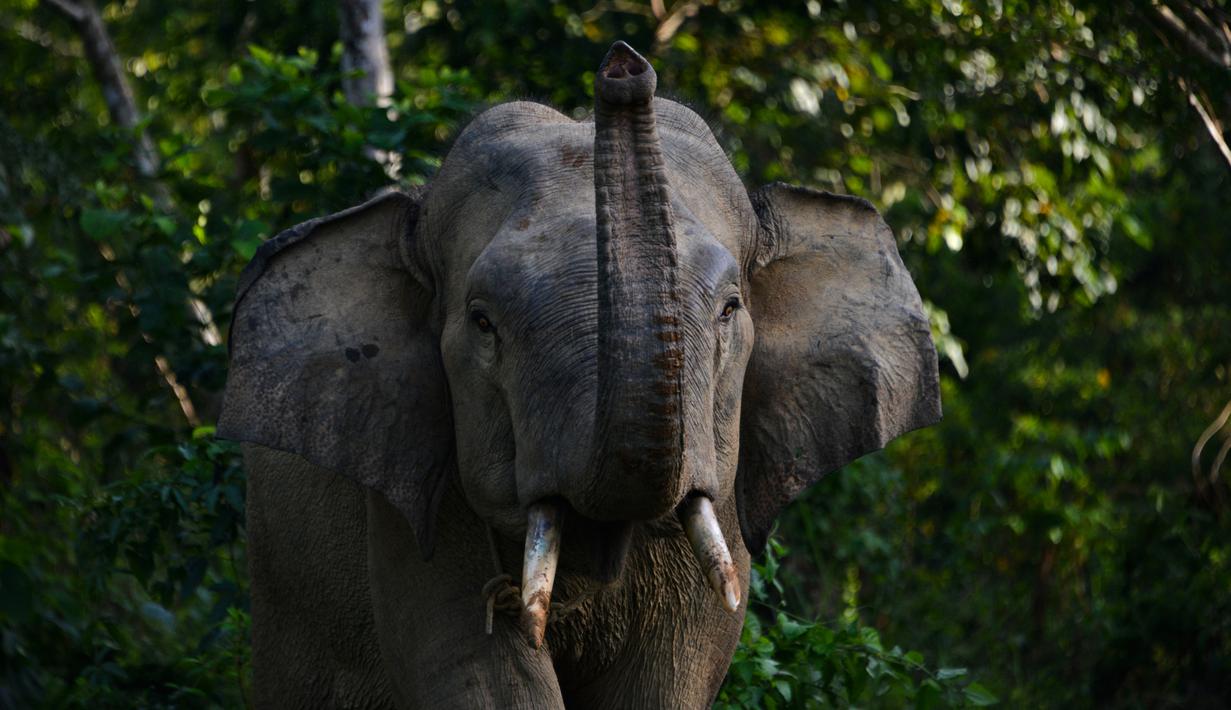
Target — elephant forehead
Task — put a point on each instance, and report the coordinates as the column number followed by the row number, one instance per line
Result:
column 537, row 258
column 486, row 184
column 552, row 163
column 529, row 183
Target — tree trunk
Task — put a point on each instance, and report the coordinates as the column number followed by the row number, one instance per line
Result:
column 364, row 49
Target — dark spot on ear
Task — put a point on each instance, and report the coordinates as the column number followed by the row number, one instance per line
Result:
column 525, row 222
column 352, row 354
column 297, row 290
column 370, row 350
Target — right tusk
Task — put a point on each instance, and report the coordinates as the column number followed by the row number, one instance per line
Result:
column 710, row 548
column 539, row 569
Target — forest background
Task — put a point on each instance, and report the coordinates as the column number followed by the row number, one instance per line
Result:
column 1057, row 175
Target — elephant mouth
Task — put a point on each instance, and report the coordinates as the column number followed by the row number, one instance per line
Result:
column 601, row 548
column 594, row 548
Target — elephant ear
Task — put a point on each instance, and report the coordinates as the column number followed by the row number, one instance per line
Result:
column 333, row 359
column 843, row 360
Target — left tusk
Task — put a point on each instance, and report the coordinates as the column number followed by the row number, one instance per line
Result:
column 539, row 569
column 710, row 548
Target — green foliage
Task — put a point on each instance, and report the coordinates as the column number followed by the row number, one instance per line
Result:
column 1057, row 199
column 121, row 521
column 784, row 661
column 142, row 603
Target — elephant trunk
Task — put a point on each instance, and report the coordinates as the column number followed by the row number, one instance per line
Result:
column 639, row 430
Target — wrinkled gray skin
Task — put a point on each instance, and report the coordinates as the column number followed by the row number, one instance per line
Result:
column 593, row 314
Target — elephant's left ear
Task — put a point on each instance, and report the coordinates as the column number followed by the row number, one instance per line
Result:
column 333, row 356
column 843, row 360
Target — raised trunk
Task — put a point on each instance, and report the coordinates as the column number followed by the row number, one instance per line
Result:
column 639, row 432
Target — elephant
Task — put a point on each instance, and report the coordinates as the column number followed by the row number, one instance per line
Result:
column 585, row 353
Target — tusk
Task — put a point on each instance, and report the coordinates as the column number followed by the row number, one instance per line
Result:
column 539, row 569
column 710, row 548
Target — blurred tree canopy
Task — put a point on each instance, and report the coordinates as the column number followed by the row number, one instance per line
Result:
column 1056, row 173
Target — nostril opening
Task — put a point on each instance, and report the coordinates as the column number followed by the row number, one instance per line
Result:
column 624, row 78
column 624, row 67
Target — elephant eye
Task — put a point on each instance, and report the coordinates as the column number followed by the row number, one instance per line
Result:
column 729, row 309
column 482, row 322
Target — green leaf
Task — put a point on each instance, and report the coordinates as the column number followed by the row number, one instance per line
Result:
column 249, row 235
column 883, row 72
column 263, row 56
column 1134, row 230
column 979, row 696
column 928, row 696
column 165, row 224
column 103, row 224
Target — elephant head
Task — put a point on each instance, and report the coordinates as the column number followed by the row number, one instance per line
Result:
column 592, row 325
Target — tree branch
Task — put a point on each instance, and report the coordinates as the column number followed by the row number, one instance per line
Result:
column 674, row 19
column 1167, row 26
column 1200, row 21
column 1177, row 27
column 109, row 72
column 1212, row 125
column 1202, row 440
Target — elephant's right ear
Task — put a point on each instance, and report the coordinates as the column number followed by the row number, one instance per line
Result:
column 333, row 357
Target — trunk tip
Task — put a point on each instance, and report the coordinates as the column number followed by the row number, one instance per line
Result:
column 625, row 77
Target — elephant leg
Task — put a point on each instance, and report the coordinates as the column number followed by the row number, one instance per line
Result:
column 313, row 638
column 430, row 617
